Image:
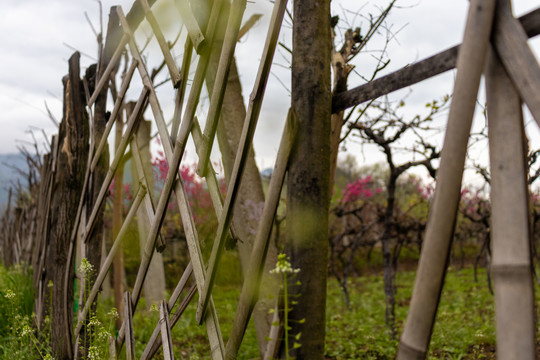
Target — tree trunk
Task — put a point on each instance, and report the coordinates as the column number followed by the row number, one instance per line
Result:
column 389, row 275
column 309, row 172
column 71, row 166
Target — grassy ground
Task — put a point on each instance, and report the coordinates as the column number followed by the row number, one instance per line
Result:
column 464, row 328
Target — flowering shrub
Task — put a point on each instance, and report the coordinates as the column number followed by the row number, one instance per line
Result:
column 360, row 189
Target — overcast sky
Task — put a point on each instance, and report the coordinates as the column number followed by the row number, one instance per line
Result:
column 33, row 34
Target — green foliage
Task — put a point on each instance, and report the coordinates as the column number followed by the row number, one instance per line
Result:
column 464, row 326
column 18, row 338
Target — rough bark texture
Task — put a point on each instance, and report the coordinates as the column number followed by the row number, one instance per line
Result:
column 309, row 172
column 72, row 158
column 250, row 201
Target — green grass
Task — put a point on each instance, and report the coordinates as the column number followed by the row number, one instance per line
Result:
column 464, row 328
column 465, row 320
column 465, row 317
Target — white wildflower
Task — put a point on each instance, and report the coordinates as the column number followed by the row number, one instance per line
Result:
column 85, row 267
column 9, row 294
column 26, row 330
column 283, row 266
column 113, row 313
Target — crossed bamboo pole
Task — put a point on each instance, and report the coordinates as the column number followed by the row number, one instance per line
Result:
column 511, row 253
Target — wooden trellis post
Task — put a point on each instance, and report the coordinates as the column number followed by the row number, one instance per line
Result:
column 511, row 264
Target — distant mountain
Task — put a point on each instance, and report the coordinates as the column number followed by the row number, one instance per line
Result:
column 9, row 175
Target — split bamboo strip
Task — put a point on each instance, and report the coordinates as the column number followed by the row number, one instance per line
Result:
column 108, row 261
column 222, row 74
column 154, row 343
column 172, row 301
column 130, row 127
column 213, row 186
column 436, row 247
column 248, row 25
column 250, row 288
column 276, row 332
column 165, row 331
column 192, row 26
column 180, row 94
column 149, row 199
column 193, row 99
column 178, row 150
column 173, row 70
column 213, row 330
column 128, row 320
column 511, row 262
column 104, row 79
column 112, row 348
column 246, row 139
column 118, row 105
column 519, row 61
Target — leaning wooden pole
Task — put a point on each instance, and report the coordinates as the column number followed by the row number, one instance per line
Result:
column 309, row 175
column 432, row 265
column 511, row 264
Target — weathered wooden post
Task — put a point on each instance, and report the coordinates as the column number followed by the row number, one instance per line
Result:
column 71, row 165
column 440, row 228
column 511, row 264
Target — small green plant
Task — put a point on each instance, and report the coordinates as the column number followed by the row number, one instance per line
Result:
column 285, row 270
column 95, row 342
column 18, row 338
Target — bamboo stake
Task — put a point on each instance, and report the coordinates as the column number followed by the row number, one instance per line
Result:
column 511, row 44
column 131, row 125
column 246, row 139
column 222, row 74
column 165, row 331
column 116, row 109
column 214, row 333
column 172, row 301
column 128, row 320
column 511, row 262
column 108, row 261
column 432, row 265
column 193, row 99
column 180, row 93
column 192, row 26
column 276, row 332
column 173, row 70
column 155, row 342
column 250, row 288
column 104, row 79
column 149, row 199
column 112, row 348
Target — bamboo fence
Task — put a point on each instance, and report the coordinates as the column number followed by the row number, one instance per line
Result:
column 512, row 77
